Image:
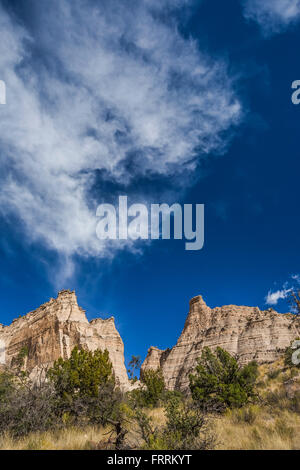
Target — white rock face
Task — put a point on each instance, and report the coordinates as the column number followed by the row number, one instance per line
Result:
column 53, row 330
column 246, row 332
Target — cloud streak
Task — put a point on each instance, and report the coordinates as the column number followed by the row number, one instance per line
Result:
column 273, row 297
column 93, row 88
column 273, row 16
column 288, row 287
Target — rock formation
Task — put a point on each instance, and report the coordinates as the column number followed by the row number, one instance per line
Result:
column 53, row 330
column 56, row 327
column 246, row 332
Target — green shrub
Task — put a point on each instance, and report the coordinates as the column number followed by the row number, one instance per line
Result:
column 153, row 381
column 81, row 390
column 82, row 374
column 168, row 395
column 185, row 428
column 220, row 383
column 6, row 386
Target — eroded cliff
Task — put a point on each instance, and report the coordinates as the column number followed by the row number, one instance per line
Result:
column 246, row 332
column 53, row 330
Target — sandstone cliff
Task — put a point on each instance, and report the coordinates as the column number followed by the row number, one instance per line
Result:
column 53, row 330
column 246, row 332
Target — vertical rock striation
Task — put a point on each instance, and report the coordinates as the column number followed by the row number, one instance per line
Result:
column 246, row 332
column 53, row 330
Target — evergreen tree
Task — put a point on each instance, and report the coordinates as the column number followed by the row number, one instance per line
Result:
column 219, row 381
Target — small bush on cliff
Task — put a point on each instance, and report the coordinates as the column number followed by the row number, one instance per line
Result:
column 220, row 383
column 82, row 374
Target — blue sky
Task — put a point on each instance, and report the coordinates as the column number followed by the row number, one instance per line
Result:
column 184, row 101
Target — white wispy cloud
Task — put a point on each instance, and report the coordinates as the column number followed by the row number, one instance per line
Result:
column 100, row 86
column 273, row 16
column 287, row 288
column 273, row 297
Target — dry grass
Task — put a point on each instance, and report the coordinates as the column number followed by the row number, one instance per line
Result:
column 157, row 415
column 65, row 439
column 74, row 438
column 271, row 424
column 280, row 431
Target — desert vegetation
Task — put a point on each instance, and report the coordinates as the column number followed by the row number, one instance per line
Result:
column 77, row 405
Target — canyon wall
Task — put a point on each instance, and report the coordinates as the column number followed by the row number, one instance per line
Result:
column 247, row 332
column 56, row 327
column 53, row 330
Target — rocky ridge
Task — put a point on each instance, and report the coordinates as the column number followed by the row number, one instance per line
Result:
column 247, row 332
column 53, row 330
column 56, row 327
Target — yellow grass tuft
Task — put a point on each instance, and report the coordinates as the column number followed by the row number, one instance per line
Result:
column 65, row 439
column 280, row 431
